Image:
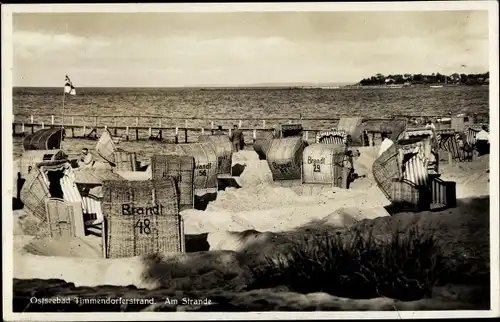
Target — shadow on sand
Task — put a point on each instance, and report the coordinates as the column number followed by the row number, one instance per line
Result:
column 228, row 277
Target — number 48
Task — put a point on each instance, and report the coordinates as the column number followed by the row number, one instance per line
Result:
column 143, row 229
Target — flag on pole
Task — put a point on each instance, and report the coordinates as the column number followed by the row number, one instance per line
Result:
column 68, row 87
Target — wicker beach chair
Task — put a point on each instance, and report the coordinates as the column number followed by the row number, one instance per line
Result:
column 451, row 141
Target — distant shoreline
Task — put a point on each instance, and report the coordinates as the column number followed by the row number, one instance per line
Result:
column 413, row 86
column 351, row 86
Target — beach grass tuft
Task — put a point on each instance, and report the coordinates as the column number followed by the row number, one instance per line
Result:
column 354, row 265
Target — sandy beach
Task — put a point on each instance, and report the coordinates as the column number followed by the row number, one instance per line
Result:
column 245, row 226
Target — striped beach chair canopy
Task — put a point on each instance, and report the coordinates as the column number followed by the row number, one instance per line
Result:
column 288, row 130
column 415, row 168
column 411, row 135
column 470, row 133
column 348, row 131
column 451, row 141
column 412, row 132
column 332, row 137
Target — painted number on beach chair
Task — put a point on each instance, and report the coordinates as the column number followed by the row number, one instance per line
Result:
column 317, row 168
column 202, row 173
column 143, row 226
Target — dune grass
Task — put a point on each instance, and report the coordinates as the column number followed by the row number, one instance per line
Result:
column 356, row 266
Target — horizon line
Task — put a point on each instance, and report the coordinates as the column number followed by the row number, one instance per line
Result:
column 192, row 86
column 291, row 84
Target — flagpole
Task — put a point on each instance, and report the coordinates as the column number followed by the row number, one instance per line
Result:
column 62, row 117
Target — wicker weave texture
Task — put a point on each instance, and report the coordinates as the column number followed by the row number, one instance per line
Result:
column 60, row 218
column 106, row 147
column 145, row 194
column 349, row 124
column 284, row 158
column 205, row 172
column 128, row 236
column 125, row 161
column 458, row 124
column 181, row 168
column 397, row 127
column 44, row 139
column 141, row 217
column 405, row 192
column 324, row 163
column 261, row 144
column 223, row 151
column 34, row 193
column 386, row 168
column 352, row 127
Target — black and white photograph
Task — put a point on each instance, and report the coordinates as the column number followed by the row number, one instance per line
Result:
column 199, row 161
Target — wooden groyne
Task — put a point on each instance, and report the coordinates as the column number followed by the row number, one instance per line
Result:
column 186, row 130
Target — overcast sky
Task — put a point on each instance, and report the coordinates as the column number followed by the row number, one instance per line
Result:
column 183, row 49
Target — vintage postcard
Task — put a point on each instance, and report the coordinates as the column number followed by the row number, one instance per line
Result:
column 250, row 161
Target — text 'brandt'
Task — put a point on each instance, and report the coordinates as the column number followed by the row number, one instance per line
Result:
column 311, row 160
column 131, row 210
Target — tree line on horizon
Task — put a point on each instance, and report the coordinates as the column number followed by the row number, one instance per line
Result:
column 422, row 79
